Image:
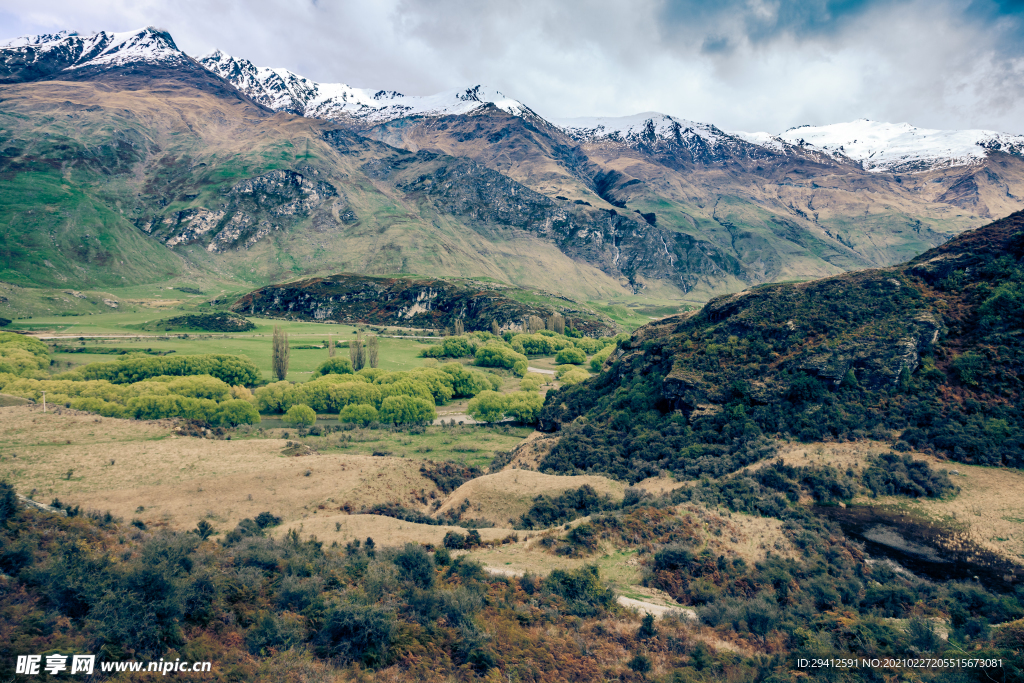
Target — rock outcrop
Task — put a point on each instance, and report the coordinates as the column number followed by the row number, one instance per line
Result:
column 435, row 304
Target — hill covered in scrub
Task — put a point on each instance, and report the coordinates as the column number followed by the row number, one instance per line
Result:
column 431, row 303
column 203, row 322
column 927, row 354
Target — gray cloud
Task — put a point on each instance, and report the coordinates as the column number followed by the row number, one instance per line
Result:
column 741, row 64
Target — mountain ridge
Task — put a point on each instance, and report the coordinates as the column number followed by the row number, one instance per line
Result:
column 468, row 183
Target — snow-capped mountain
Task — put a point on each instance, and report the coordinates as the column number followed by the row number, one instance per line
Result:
column 45, row 55
column 646, row 127
column 893, row 147
column 877, row 147
column 282, row 90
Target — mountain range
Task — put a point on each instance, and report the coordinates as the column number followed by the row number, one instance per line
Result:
column 127, row 161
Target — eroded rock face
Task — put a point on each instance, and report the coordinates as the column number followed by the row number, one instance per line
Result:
column 392, row 301
column 877, row 361
column 621, row 244
column 253, row 209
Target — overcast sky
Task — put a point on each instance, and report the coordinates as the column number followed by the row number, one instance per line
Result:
column 740, row 64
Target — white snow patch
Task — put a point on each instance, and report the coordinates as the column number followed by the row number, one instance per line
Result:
column 896, row 147
column 646, row 126
column 283, row 90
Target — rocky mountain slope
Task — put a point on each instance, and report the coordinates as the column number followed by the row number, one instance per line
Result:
column 128, row 161
column 412, row 303
column 807, row 203
column 926, row 354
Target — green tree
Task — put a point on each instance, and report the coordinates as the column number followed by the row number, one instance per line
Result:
column 574, row 377
column 494, row 356
column 523, row 406
column 300, row 415
column 357, row 353
column 280, row 353
column 358, row 413
column 407, row 410
column 598, row 359
column 237, row 412
column 334, row 366
column 487, row 406
column 372, row 351
column 571, row 355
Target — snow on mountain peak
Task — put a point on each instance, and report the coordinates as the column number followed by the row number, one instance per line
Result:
column 901, row 147
column 637, row 128
column 41, row 39
column 283, row 90
column 67, row 50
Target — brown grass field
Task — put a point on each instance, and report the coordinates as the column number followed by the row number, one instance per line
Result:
column 989, row 507
column 144, row 470
column 180, row 480
column 510, row 493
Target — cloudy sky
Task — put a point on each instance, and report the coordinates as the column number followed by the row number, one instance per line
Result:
column 741, row 64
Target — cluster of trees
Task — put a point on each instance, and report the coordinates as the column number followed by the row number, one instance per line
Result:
column 538, row 343
column 548, row 511
column 23, row 356
column 376, row 395
column 234, row 370
column 201, row 397
column 521, row 406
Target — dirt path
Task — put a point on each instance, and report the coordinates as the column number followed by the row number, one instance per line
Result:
column 658, row 611
column 540, row 370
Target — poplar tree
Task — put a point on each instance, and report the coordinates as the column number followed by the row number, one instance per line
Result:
column 281, row 352
column 372, row 351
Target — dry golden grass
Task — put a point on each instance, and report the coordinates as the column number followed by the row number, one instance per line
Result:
column 509, row 494
column 528, row 454
column 180, row 480
column 660, row 485
column 385, row 531
column 989, row 507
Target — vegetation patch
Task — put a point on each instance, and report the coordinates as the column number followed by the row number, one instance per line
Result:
column 201, row 322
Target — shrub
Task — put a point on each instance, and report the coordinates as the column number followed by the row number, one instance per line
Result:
column 524, row 406
column 493, row 356
column 335, row 366
column 891, row 474
column 415, row 565
column 582, row 585
column 199, row 386
column 549, row 510
column 440, row 383
column 530, row 385
column 271, row 398
column 571, row 355
column 598, row 359
column 300, row 415
column 574, row 377
column 358, row 414
column 487, row 406
column 353, row 393
column 453, row 347
column 22, row 355
column 466, row 383
column 231, row 369
column 356, row 633
column 406, row 387
column 407, row 410
column 237, row 412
